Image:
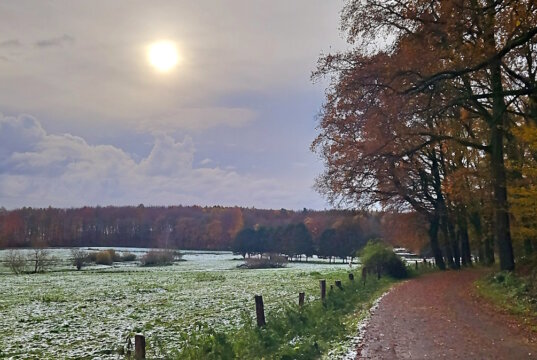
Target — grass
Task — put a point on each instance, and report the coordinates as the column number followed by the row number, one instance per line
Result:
column 294, row 332
column 91, row 313
column 511, row 293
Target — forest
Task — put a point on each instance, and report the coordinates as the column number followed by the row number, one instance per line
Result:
column 206, row 228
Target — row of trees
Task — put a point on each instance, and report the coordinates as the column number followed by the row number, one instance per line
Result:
column 194, row 227
column 295, row 240
column 434, row 110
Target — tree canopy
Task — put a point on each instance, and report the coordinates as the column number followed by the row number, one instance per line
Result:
column 423, row 108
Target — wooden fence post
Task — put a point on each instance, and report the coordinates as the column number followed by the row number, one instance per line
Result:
column 338, row 284
column 301, row 296
column 351, row 276
column 260, row 310
column 322, row 283
column 364, row 274
column 416, row 264
column 139, row 346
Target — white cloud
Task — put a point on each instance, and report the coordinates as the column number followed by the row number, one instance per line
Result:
column 41, row 169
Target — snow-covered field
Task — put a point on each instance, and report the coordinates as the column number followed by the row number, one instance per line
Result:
column 91, row 313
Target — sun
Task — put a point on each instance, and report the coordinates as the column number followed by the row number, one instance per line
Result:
column 163, row 55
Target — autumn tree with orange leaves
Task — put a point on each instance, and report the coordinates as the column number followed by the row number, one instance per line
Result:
column 427, row 88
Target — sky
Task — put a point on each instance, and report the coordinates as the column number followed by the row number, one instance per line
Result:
column 86, row 120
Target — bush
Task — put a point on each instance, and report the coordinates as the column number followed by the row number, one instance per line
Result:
column 158, row 258
column 395, row 267
column 376, row 256
column 104, row 257
column 15, row 261
column 109, row 256
column 128, row 256
column 115, row 256
column 92, row 257
column 80, row 257
column 40, row 260
column 271, row 261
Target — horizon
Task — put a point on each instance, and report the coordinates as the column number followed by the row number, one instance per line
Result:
column 201, row 206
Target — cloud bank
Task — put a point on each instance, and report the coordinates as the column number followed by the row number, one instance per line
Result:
column 41, row 169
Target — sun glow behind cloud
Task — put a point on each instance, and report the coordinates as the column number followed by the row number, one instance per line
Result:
column 163, row 55
column 239, row 89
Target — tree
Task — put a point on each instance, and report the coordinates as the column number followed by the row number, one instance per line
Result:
column 523, row 190
column 293, row 240
column 15, row 261
column 326, row 243
column 40, row 259
column 80, row 257
column 463, row 63
column 244, row 241
column 303, row 242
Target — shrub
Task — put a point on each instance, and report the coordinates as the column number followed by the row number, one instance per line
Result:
column 395, row 267
column 158, row 258
column 115, row 256
column 15, row 261
column 41, row 260
column 92, row 257
column 128, row 256
column 376, row 256
column 80, row 257
column 269, row 262
column 104, row 257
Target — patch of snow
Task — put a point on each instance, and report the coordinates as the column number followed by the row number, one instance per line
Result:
column 354, row 343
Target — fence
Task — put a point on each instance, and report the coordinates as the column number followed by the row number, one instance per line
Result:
column 139, row 339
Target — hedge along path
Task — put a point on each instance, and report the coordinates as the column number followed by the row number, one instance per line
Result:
column 438, row 316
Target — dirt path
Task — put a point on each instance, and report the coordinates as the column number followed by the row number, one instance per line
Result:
column 438, row 316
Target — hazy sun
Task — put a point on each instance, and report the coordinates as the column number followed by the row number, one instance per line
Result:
column 163, row 55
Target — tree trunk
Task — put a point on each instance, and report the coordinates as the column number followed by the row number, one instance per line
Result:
column 528, row 246
column 447, row 244
column 475, row 220
column 466, row 252
column 481, row 252
column 433, row 237
column 454, row 241
column 502, row 233
column 489, row 251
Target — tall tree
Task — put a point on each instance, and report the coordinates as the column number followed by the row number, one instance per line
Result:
column 443, row 57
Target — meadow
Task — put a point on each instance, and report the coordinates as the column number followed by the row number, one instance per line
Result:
column 94, row 312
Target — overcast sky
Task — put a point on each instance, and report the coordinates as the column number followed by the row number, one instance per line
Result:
column 85, row 120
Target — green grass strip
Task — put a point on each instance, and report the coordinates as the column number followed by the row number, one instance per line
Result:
column 292, row 332
column 510, row 293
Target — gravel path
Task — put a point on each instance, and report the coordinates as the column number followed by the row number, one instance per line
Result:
column 438, row 316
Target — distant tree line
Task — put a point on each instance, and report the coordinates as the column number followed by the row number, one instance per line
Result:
column 304, row 232
column 295, row 241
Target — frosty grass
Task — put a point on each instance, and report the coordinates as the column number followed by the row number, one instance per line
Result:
column 92, row 313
